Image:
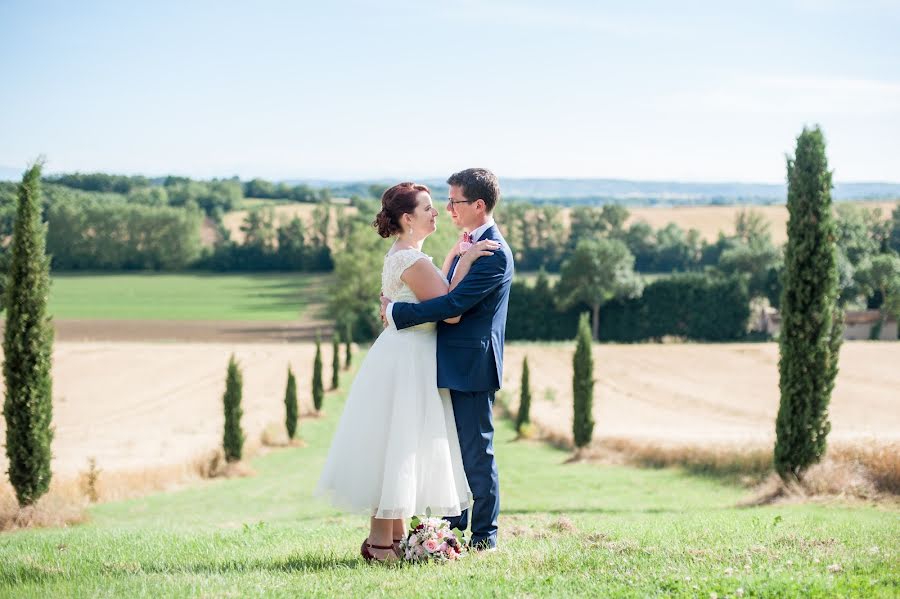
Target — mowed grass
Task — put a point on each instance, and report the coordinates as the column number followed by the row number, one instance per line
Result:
column 188, row 296
column 566, row 530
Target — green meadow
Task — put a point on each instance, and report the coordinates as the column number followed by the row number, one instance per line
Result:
column 186, row 296
column 567, row 530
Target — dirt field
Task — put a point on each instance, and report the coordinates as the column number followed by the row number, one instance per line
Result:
column 703, row 393
column 141, row 405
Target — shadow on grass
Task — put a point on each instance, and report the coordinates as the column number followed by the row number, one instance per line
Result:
column 591, row 510
column 307, row 562
column 19, row 574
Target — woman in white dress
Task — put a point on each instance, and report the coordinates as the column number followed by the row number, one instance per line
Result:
column 396, row 453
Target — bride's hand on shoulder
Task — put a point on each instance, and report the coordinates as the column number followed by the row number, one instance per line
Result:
column 486, row 247
column 456, row 249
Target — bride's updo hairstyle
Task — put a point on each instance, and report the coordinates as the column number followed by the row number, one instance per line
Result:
column 395, row 202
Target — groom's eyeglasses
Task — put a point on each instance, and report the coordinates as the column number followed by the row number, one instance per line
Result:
column 451, row 202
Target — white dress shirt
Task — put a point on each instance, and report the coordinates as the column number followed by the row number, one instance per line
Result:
column 476, row 235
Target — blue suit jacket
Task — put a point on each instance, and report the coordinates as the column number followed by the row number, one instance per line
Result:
column 470, row 353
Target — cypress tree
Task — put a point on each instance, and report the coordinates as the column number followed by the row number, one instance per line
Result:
column 583, row 384
column 233, row 440
column 522, row 417
column 348, row 341
column 290, row 405
column 318, row 389
column 811, row 330
column 27, row 348
column 335, row 360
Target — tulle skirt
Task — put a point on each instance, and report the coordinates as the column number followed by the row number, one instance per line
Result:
column 396, row 453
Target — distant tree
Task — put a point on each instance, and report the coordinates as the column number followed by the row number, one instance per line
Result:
column 894, row 236
column 613, row 217
column 676, row 249
column 811, row 334
column 880, row 275
column 290, row 405
column 583, row 385
column 522, row 417
column 292, row 245
column 233, row 439
column 318, row 388
column 357, row 283
column 259, row 229
column 335, row 360
column 861, row 232
column 28, row 348
column 641, row 242
column 348, row 344
column 259, row 188
column 751, row 226
column 757, row 260
column 597, row 272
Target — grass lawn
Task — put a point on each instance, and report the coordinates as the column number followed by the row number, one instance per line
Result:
column 188, row 296
column 567, row 530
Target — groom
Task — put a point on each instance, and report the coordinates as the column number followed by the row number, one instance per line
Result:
column 470, row 354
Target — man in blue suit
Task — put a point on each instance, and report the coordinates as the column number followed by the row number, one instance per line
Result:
column 470, row 354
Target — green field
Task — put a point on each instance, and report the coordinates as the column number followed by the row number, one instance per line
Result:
column 566, row 530
column 150, row 296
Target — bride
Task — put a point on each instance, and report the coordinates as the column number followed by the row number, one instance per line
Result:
column 396, row 453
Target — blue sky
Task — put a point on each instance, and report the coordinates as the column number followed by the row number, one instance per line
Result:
column 692, row 91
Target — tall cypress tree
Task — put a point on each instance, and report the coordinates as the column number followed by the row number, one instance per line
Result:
column 318, row 388
column 290, row 405
column 28, row 348
column 811, row 329
column 583, row 384
column 233, row 439
column 335, row 360
column 523, row 417
column 348, row 341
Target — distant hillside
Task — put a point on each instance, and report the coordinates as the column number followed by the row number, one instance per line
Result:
column 640, row 193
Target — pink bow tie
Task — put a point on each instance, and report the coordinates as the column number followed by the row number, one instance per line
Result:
column 467, row 237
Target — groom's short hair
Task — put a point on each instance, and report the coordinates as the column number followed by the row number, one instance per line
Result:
column 478, row 184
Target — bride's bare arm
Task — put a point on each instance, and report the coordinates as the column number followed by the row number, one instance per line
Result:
column 426, row 283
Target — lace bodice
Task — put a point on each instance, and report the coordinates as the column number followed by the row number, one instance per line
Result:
column 394, row 265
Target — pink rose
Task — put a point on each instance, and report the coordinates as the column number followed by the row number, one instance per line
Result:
column 443, row 548
column 431, row 545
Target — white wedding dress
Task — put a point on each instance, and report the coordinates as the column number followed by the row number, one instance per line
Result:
column 396, row 453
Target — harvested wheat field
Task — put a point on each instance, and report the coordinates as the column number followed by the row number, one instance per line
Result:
column 703, row 393
column 711, row 220
column 136, row 406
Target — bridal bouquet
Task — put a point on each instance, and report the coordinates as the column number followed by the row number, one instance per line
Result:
column 431, row 539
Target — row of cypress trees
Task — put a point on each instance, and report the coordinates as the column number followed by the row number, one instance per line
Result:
column 233, row 438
